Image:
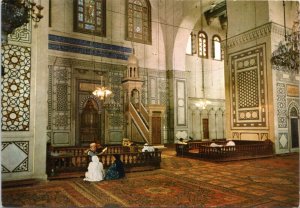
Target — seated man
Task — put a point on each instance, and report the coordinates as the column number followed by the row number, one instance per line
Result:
column 92, row 151
column 95, row 170
column 215, row 145
column 148, row 148
column 230, row 143
column 181, row 141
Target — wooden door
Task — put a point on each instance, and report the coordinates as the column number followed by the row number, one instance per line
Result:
column 156, row 130
column 294, row 132
column 205, row 128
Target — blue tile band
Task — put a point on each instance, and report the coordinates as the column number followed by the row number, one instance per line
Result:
column 86, row 47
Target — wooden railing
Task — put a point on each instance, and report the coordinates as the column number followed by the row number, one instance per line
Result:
column 139, row 122
column 242, row 150
column 74, row 159
column 144, row 114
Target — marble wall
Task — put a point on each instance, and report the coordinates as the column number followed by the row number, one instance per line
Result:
column 24, row 90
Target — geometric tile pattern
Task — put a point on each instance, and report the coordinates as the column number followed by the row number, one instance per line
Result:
column 248, row 88
column 144, row 90
column 115, row 80
column 16, row 61
column 50, row 97
column 21, row 34
column 115, row 121
column 62, row 91
column 14, row 156
column 162, row 87
column 61, row 98
column 281, row 105
column 283, row 140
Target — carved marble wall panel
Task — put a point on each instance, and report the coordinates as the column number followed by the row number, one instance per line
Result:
column 21, row 34
column 16, row 61
column 181, row 102
column 154, row 89
column 162, row 87
column 281, row 105
column 249, row 88
column 152, row 84
column 61, row 98
column 115, row 81
column 283, row 140
column 14, row 156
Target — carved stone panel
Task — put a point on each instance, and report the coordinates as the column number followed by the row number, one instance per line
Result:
column 15, row 156
column 16, row 61
column 248, row 88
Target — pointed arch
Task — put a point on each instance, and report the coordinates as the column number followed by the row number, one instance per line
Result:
column 202, row 44
column 216, row 48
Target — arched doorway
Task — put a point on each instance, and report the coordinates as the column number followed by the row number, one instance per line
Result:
column 293, row 128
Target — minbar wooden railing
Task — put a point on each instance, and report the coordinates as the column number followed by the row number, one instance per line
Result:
column 144, row 114
column 242, row 150
column 140, row 123
column 62, row 160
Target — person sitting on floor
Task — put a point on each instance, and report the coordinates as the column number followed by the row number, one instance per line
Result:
column 95, row 170
column 148, row 148
column 116, row 170
column 181, row 141
column 215, row 145
column 230, row 143
column 92, row 151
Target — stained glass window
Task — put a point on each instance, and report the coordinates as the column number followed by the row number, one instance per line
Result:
column 202, row 44
column 139, row 21
column 216, row 42
column 90, row 16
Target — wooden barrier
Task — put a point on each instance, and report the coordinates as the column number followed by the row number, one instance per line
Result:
column 66, row 160
column 242, row 150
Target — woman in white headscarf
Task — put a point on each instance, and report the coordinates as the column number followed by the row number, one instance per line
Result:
column 95, row 170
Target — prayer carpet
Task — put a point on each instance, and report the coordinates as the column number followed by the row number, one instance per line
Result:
column 181, row 182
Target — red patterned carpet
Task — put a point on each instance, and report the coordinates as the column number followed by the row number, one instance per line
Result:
column 271, row 182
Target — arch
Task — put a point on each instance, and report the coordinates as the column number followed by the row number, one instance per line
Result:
column 202, row 44
column 177, row 60
column 216, row 48
column 293, row 115
column 95, row 100
column 293, row 104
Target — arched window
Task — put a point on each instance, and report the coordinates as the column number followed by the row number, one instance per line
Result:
column 202, row 44
column 216, row 43
column 90, row 16
column 139, row 21
column 189, row 46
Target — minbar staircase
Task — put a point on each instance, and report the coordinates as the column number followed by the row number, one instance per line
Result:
column 145, row 124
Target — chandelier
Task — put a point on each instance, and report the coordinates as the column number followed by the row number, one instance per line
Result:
column 286, row 57
column 15, row 13
column 203, row 104
column 101, row 92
